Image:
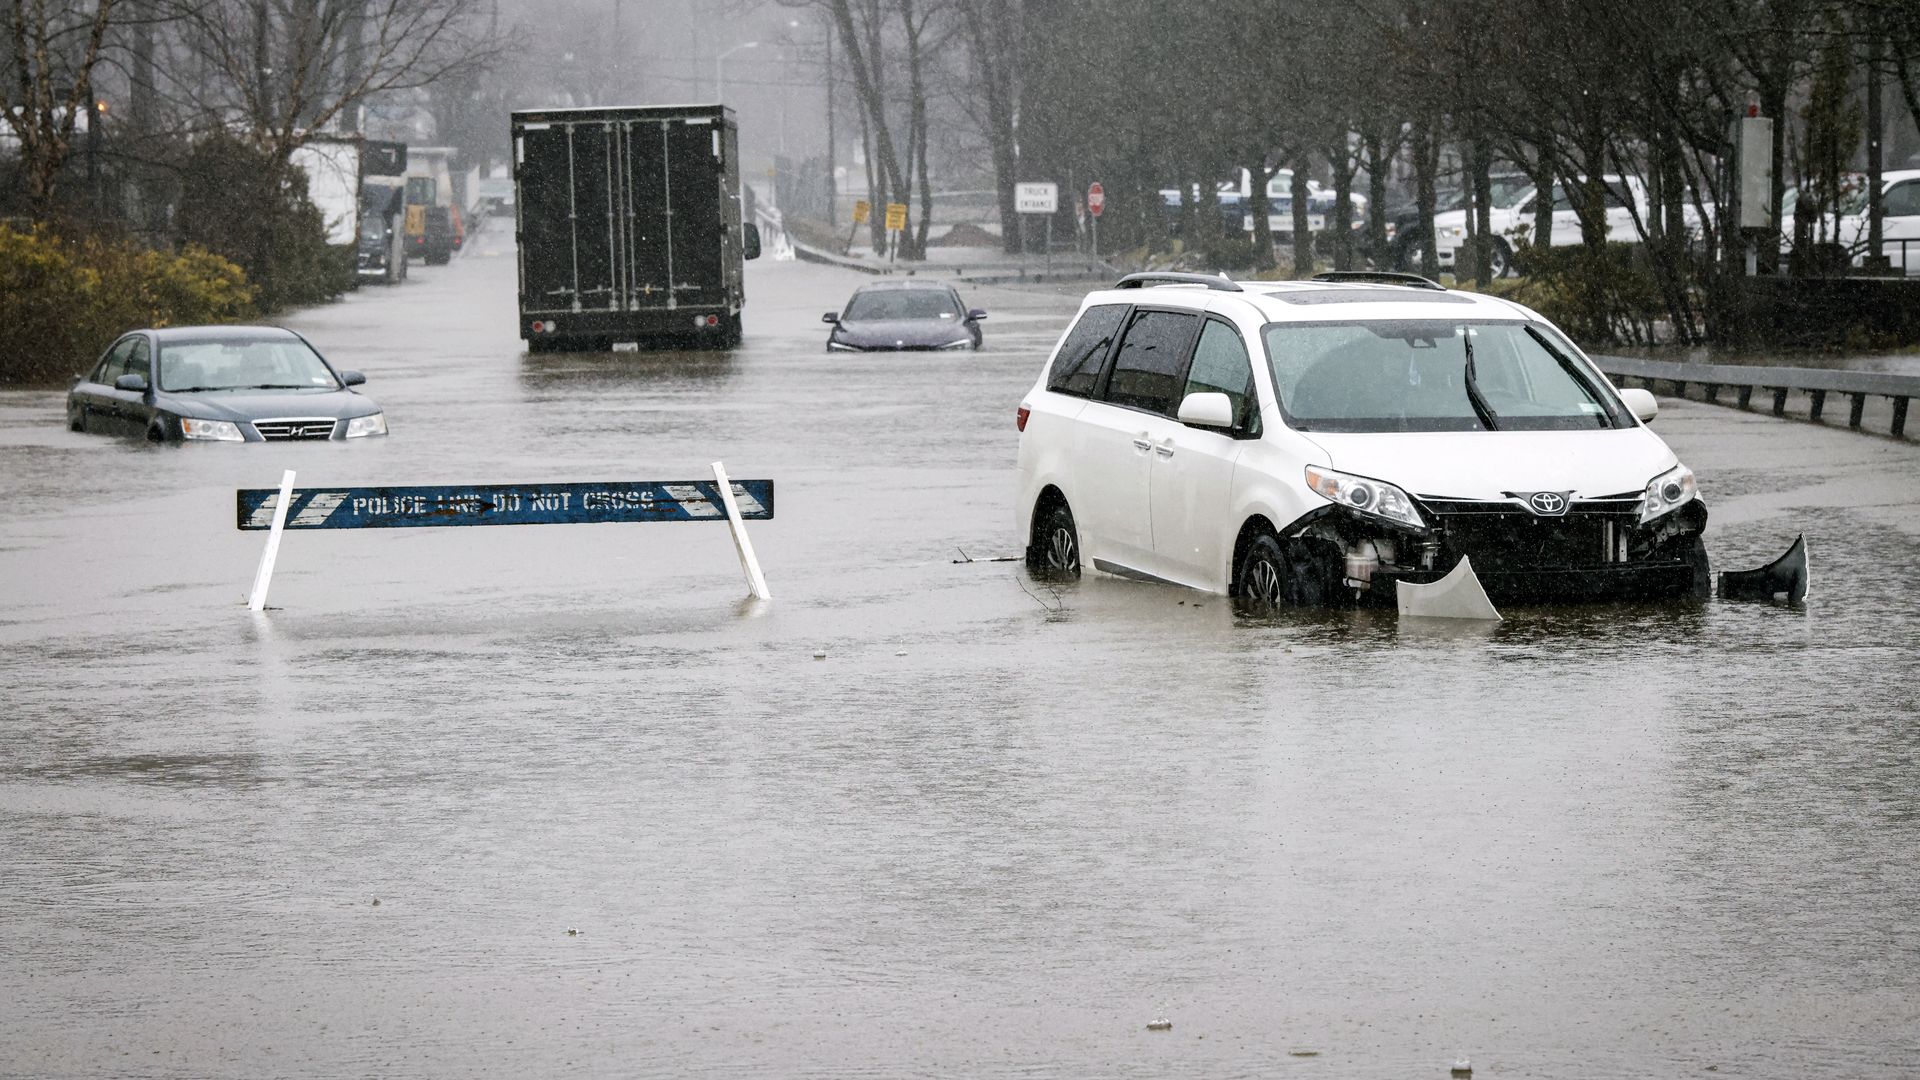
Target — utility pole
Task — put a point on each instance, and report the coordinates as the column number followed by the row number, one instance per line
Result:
column 833, row 184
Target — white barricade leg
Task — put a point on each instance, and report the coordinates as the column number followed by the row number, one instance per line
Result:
column 264, row 576
column 749, row 564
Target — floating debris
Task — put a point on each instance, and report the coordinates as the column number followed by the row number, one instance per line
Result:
column 376, row 901
column 1159, row 1025
column 1463, row 1067
column 819, row 656
column 1303, row 1053
column 571, row 932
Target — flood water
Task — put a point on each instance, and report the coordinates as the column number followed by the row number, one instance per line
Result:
column 619, row 821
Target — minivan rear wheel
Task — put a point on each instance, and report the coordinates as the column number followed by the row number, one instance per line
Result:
column 1056, row 542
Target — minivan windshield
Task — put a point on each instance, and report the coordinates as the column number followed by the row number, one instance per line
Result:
column 237, row 363
column 1434, row 375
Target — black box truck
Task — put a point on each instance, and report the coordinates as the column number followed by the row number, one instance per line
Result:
column 629, row 227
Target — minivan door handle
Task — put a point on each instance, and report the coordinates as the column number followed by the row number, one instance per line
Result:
column 1142, row 444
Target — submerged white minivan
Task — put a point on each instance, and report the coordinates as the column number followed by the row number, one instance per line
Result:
column 1314, row 442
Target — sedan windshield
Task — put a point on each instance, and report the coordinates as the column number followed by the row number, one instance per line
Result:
column 1430, row 375
column 901, row 304
column 232, row 363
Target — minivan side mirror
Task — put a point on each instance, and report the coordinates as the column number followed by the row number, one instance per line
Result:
column 1641, row 403
column 349, row 377
column 750, row 243
column 976, row 314
column 831, row 317
column 133, row 381
column 1208, row 408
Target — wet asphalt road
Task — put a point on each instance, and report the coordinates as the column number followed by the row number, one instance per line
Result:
column 996, row 832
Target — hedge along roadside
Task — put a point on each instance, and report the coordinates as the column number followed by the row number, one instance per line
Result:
column 64, row 299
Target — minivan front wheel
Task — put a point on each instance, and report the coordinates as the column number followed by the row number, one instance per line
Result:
column 1056, row 542
column 1263, row 575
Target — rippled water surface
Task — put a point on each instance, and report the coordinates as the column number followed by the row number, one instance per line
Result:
column 620, row 822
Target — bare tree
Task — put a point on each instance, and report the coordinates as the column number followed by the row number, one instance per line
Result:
column 278, row 72
column 54, row 47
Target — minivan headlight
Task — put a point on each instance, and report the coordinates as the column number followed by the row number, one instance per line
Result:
column 1668, row 492
column 1375, row 497
column 367, row 425
column 210, row 430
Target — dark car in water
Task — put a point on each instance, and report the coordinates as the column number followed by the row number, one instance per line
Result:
column 889, row 315
column 221, row 384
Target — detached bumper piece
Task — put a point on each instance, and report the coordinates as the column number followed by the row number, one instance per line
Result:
column 1784, row 580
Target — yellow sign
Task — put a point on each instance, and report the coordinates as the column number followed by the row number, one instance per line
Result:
column 416, row 224
column 896, row 216
column 860, row 211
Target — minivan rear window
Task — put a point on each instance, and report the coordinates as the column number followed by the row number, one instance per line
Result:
column 1076, row 367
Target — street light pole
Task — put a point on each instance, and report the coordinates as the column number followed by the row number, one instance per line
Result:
column 719, row 92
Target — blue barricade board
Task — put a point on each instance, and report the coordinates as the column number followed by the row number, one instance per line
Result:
column 503, row 504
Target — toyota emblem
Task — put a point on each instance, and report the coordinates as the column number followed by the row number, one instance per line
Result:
column 1548, row 503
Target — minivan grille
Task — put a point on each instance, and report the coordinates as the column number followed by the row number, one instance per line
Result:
column 312, row 427
column 1505, row 537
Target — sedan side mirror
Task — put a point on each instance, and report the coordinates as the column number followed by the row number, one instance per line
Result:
column 750, row 241
column 831, row 317
column 349, row 377
column 133, row 381
column 1207, row 409
column 1641, row 403
column 976, row 314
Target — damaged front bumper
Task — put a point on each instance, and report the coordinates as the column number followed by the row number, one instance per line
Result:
column 1596, row 550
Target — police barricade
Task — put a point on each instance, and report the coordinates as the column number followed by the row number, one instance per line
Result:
column 277, row 510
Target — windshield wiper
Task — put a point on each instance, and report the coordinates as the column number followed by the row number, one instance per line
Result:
column 1480, row 407
column 273, row 386
column 1608, row 419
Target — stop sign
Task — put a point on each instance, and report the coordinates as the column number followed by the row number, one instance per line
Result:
column 1096, row 198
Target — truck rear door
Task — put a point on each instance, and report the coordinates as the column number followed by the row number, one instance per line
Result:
column 569, row 227
column 676, row 248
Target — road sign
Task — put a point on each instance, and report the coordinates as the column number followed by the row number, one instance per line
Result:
column 860, row 211
column 502, row 504
column 1096, row 198
column 896, row 216
column 1036, row 198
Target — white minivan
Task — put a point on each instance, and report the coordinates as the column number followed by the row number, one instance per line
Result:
column 1314, row 442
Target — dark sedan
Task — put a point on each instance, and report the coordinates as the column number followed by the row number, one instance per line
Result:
column 221, row 384
column 905, row 315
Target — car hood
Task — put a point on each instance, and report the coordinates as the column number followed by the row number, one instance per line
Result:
column 267, row 404
column 1484, row 465
column 892, row 333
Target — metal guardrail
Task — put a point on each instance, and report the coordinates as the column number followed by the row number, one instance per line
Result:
column 1816, row 383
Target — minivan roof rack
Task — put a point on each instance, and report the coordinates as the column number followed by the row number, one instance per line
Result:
column 1381, row 277
column 1174, row 277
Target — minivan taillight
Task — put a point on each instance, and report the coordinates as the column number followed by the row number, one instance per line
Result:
column 1020, row 418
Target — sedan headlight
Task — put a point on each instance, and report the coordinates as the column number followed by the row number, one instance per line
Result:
column 210, row 430
column 367, row 425
column 1374, row 497
column 963, row 343
column 840, row 346
column 1668, row 492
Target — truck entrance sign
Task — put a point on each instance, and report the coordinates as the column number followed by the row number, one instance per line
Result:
column 1036, row 198
column 861, row 208
column 896, row 216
